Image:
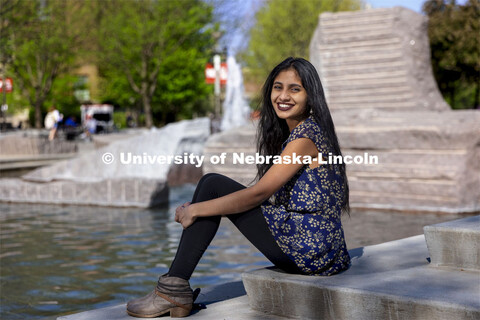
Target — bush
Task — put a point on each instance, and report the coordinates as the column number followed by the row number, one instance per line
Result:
column 120, row 119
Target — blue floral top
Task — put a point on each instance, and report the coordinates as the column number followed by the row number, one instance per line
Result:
column 305, row 218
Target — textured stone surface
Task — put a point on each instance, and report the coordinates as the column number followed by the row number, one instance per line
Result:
column 427, row 161
column 187, row 173
column 110, row 192
column 376, row 58
column 388, row 281
column 455, row 244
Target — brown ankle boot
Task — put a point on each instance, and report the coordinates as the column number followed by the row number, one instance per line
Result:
column 172, row 295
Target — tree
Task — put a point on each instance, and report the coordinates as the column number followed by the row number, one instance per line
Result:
column 43, row 39
column 7, row 7
column 284, row 28
column 141, row 37
column 453, row 31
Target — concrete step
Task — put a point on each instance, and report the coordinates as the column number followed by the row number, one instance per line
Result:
column 336, row 18
column 364, row 49
column 358, row 43
column 455, row 244
column 392, row 280
column 385, row 98
column 421, row 187
column 366, row 76
column 397, row 90
column 396, row 171
column 400, row 106
column 348, row 37
column 408, row 202
column 367, row 84
column 379, row 56
column 362, row 68
column 341, row 31
column 364, row 23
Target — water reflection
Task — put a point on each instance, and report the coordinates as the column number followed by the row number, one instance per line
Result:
column 64, row 259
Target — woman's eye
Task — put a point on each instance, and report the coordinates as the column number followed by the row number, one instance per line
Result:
column 295, row 89
column 277, row 87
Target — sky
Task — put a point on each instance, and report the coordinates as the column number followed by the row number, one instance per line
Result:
column 415, row 5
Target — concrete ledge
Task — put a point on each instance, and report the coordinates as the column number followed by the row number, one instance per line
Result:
column 392, row 280
column 455, row 243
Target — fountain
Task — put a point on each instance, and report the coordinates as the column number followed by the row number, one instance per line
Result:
column 103, row 177
column 235, row 107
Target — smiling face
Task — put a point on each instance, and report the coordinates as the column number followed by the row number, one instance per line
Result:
column 289, row 98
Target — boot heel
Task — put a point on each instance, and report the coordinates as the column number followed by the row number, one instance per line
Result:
column 178, row 312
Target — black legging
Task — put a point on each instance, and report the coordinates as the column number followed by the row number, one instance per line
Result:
column 197, row 237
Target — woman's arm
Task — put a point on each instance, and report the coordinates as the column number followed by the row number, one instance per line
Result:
column 253, row 196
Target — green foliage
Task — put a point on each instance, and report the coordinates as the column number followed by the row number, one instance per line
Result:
column 181, row 85
column 284, row 28
column 115, row 89
column 120, row 119
column 42, row 39
column 62, row 96
column 454, row 40
column 154, row 52
column 150, row 54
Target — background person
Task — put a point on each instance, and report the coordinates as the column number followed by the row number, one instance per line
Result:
column 52, row 119
column 301, row 231
column 90, row 126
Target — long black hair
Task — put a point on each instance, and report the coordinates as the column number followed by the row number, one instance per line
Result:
column 273, row 131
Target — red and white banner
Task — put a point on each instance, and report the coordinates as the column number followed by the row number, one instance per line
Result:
column 8, row 85
column 210, row 73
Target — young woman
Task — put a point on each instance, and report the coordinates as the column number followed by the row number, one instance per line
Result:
column 300, row 232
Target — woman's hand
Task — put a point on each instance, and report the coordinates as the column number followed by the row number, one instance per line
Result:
column 183, row 215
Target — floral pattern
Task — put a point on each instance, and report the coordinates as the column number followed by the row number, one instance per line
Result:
column 305, row 216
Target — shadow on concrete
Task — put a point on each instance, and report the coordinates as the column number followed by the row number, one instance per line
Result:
column 219, row 293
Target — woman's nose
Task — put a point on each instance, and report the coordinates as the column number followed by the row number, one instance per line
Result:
column 284, row 96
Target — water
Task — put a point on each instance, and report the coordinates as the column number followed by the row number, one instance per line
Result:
column 57, row 260
column 235, row 107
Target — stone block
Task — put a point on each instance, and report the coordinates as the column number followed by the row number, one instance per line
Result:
column 355, row 51
column 455, row 244
column 98, row 192
column 387, row 281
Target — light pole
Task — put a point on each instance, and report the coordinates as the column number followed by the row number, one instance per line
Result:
column 4, row 99
column 217, row 66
